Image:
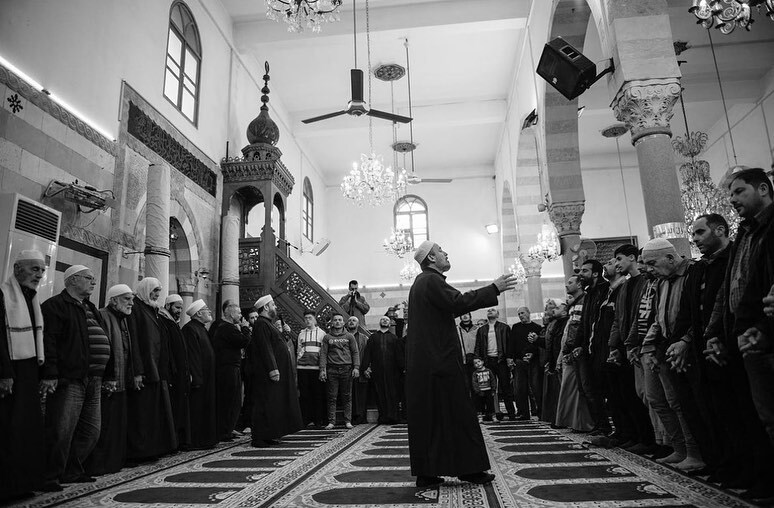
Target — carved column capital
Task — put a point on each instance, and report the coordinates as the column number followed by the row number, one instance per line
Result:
column 567, row 217
column 186, row 286
column 646, row 106
column 532, row 266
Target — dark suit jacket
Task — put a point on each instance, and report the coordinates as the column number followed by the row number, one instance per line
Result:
column 501, row 336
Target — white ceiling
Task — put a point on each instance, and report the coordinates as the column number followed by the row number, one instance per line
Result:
column 463, row 57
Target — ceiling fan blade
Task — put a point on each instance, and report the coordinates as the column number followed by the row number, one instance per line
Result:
column 435, row 180
column 356, row 76
column 324, row 117
column 388, row 116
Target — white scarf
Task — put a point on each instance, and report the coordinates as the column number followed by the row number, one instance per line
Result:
column 23, row 341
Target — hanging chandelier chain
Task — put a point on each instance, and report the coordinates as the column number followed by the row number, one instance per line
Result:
column 722, row 96
column 411, row 113
column 368, row 57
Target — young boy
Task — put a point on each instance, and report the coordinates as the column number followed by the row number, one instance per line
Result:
column 484, row 385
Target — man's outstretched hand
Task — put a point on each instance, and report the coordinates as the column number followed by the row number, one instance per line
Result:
column 505, row 282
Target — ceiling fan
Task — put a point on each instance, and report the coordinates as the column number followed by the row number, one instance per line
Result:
column 357, row 106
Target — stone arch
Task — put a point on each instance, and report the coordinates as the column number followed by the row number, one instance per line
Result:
column 529, row 192
column 510, row 249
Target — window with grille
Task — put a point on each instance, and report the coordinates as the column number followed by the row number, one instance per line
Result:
column 183, row 65
column 411, row 217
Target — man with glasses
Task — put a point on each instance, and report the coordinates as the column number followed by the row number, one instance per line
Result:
column 78, row 360
column 201, row 362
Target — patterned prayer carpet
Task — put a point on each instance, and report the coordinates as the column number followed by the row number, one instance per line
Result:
column 368, row 466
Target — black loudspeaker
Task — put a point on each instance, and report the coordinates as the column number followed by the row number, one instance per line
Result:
column 566, row 69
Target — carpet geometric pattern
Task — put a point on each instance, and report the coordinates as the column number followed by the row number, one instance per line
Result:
column 368, row 466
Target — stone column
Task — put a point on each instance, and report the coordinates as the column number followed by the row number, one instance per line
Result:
column 157, row 226
column 567, row 220
column 646, row 107
column 186, row 288
column 229, row 258
column 534, row 287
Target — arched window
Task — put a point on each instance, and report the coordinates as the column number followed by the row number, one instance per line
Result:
column 307, row 211
column 184, row 58
column 411, row 217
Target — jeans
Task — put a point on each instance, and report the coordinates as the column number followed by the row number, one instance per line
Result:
column 663, row 391
column 504, row 389
column 339, row 386
column 760, row 372
column 73, row 420
column 639, row 387
column 311, row 396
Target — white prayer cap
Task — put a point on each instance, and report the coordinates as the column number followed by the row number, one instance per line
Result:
column 423, row 250
column 656, row 248
column 73, row 270
column 173, row 298
column 118, row 290
column 30, row 255
column 195, row 307
column 263, row 301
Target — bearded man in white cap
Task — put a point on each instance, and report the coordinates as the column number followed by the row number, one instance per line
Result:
column 78, row 360
column 109, row 454
column 276, row 411
column 22, row 454
column 201, row 362
column 667, row 392
column 444, row 434
column 179, row 381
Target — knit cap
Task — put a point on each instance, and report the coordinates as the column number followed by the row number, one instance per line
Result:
column 657, row 248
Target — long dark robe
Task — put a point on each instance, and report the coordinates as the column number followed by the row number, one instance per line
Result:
column 201, row 362
column 151, row 430
column 22, row 451
column 444, row 434
column 109, row 455
column 179, row 380
column 276, row 411
column 383, row 356
column 227, row 342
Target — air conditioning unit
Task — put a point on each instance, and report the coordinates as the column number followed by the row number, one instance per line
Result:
column 30, row 225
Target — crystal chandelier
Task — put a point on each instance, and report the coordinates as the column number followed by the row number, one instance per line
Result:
column 547, row 247
column 398, row 244
column 518, row 270
column 699, row 194
column 300, row 14
column 410, row 270
column 370, row 183
column 727, row 15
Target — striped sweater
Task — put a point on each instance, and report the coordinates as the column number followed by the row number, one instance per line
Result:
column 308, row 350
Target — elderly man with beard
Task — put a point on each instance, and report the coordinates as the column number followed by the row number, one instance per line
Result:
column 227, row 342
column 382, row 364
column 22, row 455
column 444, row 434
column 276, row 411
column 151, row 427
column 201, row 361
column 78, row 359
column 179, row 381
column 110, row 453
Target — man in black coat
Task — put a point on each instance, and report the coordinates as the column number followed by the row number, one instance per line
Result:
column 444, row 434
column 524, row 346
column 492, row 348
column 276, row 410
column 227, row 342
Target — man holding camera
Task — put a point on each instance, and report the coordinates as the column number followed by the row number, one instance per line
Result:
column 354, row 304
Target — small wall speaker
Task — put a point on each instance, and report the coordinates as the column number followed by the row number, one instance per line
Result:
column 566, row 69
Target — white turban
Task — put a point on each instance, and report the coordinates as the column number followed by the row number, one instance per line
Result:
column 195, row 307
column 423, row 250
column 259, row 303
column 30, row 255
column 73, row 270
column 118, row 290
column 173, row 298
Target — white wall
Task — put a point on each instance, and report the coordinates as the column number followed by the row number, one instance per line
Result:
column 457, row 214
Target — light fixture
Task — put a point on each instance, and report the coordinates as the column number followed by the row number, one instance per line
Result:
column 517, row 269
column 492, row 228
column 301, row 14
column 398, row 244
column 370, row 182
column 410, row 270
column 173, row 232
column 581, row 110
column 616, row 131
column 727, row 15
column 547, row 246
